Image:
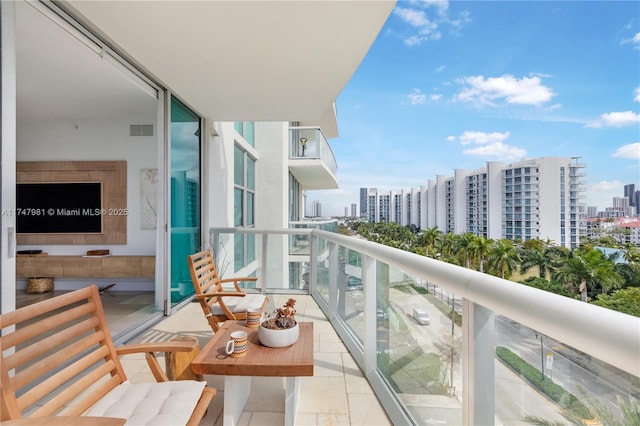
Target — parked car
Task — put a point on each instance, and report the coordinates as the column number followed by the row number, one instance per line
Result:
column 421, row 316
column 381, row 314
column 353, row 283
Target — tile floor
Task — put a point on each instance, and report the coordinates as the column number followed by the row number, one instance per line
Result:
column 337, row 394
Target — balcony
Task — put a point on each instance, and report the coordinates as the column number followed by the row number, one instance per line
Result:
column 447, row 372
column 311, row 160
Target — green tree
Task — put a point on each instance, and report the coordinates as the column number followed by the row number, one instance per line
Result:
column 592, row 271
column 503, row 258
column 429, row 239
column 626, row 300
column 481, row 247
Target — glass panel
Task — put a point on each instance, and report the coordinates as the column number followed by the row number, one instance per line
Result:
column 237, row 207
column 238, row 126
column 248, row 132
column 418, row 346
column 251, row 173
column 251, row 248
column 185, row 197
column 250, row 209
column 238, row 252
column 238, row 166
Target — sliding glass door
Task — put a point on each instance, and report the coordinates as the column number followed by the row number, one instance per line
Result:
column 185, row 197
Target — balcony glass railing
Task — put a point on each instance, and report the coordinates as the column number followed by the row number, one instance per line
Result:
column 299, row 244
column 442, row 344
column 310, row 143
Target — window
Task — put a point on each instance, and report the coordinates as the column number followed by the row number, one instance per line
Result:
column 245, row 128
column 244, row 194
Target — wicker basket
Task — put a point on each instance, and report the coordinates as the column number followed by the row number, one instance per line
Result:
column 40, row 285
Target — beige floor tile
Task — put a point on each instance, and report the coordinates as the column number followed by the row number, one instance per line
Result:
column 338, row 394
column 323, row 395
column 366, row 410
column 328, row 364
column 261, row 418
column 333, row 420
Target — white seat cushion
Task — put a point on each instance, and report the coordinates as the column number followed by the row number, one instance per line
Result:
column 239, row 304
column 164, row 403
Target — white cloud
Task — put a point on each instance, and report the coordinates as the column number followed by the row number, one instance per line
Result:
column 440, row 68
column 423, row 27
column 631, row 151
column 498, row 151
column 413, row 17
column 482, row 138
column 616, row 119
column 436, row 97
column 635, row 40
column 486, row 91
column 636, row 94
column 492, row 145
column 417, row 97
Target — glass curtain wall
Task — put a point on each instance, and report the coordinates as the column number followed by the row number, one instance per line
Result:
column 185, row 197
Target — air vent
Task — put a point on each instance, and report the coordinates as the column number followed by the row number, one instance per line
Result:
column 141, row 130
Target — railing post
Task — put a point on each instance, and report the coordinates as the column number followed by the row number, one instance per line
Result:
column 478, row 384
column 264, row 259
column 313, row 262
column 370, row 290
column 333, row 281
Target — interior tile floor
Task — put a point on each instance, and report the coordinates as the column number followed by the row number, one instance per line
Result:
column 123, row 309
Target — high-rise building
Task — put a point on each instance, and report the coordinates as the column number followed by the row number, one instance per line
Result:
column 316, row 209
column 629, row 193
column 537, row 198
column 363, row 202
column 354, row 210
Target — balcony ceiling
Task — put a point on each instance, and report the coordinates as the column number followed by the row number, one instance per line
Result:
column 244, row 60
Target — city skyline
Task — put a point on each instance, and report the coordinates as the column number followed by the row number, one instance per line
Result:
column 452, row 85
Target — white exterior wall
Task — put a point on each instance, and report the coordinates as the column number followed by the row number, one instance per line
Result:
column 431, row 204
column 441, row 203
column 270, row 151
column 460, row 202
column 415, row 203
column 272, row 197
column 219, row 183
column 495, row 209
column 549, row 196
column 423, row 207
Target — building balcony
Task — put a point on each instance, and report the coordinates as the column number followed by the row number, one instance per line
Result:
column 311, row 159
column 447, row 371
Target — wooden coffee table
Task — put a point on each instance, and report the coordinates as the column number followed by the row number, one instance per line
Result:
column 291, row 362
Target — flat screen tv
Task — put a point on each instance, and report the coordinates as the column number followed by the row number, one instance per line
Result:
column 59, row 208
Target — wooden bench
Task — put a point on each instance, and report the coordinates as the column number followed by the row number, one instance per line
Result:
column 58, row 359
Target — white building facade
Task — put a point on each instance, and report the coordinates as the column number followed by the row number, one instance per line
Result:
column 538, row 198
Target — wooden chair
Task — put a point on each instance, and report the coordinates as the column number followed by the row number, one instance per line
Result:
column 58, row 359
column 220, row 304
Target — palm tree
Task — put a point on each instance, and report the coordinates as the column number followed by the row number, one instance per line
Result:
column 503, row 258
column 463, row 247
column 430, row 238
column 546, row 259
column 592, row 270
column 481, row 248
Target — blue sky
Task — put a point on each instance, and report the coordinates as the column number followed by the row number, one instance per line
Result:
column 455, row 84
